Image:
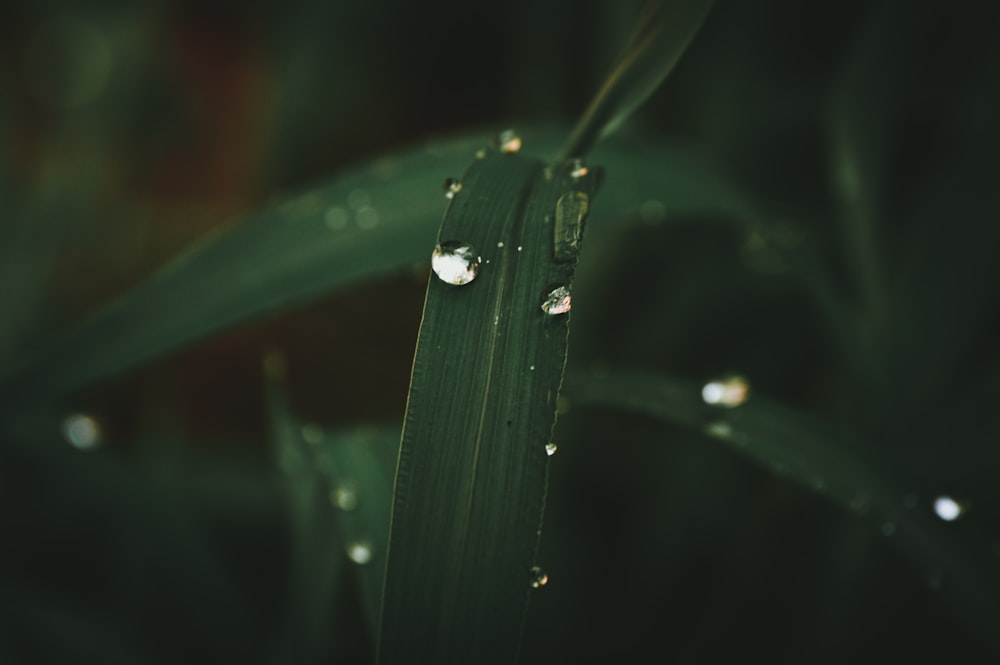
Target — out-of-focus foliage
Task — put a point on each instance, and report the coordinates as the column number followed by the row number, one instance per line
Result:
column 858, row 285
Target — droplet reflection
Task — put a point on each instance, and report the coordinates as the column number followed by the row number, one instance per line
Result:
column 557, row 301
column 539, row 578
column 729, row 391
column 82, row 431
column 947, row 508
column 359, row 552
column 455, row 262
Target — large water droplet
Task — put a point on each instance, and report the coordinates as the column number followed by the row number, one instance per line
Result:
column 344, row 497
column 947, row 508
column 550, row 449
column 455, row 262
column 508, row 141
column 556, row 300
column 571, row 211
column 452, row 186
column 359, row 552
column 728, row 391
column 82, row 431
column 538, row 577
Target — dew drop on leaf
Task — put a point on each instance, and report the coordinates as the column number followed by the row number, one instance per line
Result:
column 451, row 187
column 359, row 552
column 82, row 431
column 728, row 391
column 947, row 508
column 508, row 141
column 455, row 262
column 344, row 497
column 550, row 449
column 577, row 168
column 556, row 301
column 538, row 577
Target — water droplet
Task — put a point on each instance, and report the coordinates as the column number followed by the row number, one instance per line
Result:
column 948, row 509
column 500, row 244
column 888, row 528
column 556, row 301
column 455, row 262
column 358, row 199
column 550, row 449
column 578, row 169
column 519, row 248
column 728, row 391
column 82, row 431
column 719, row 429
column 344, row 497
column 571, row 212
column 508, row 141
column 532, row 368
column 367, row 218
column 359, row 552
column 312, row 434
column 336, row 218
column 480, row 154
column 538, row 577
column 452, row 186
column 652, row 212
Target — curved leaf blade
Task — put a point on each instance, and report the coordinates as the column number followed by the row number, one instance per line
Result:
column 471, row 477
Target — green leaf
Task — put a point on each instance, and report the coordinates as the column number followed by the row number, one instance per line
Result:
column 316, row 564
column 470, row 483
column 289, row 254
column 823, row 459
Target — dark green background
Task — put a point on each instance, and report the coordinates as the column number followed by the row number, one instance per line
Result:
column 170, row 542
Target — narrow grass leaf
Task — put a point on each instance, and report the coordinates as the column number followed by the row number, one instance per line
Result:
column 360, row 490
column 831, row 462
column 315, row 569
column 471, row 478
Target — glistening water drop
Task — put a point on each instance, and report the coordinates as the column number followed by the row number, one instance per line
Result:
column 455, row 262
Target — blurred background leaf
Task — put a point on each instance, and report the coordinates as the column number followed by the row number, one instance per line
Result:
column 128, row 133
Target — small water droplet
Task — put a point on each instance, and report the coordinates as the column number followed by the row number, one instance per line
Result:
column 719, row 429
column 519, row 248
column 455, row 262
column 538, row 577
column 359, row 552
column 312, row 434
column 550, row 449
column 571, row 212
column 728, row 391
column 452, row 186
column 948, row 509
column 500, row 244
column 358, row 199
column 557, row 301
column 578, row 169
column 508, row 141
column 344, row 497
column 367, row 218
column 888, row 528
column 532, row 368
column 480, row 154
column 82, row 431
column 336, row 218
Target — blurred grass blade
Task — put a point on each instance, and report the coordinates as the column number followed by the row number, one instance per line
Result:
column 822, row 459
column 361, row 490
column 662, row 34
column 471, row 477
column 313, row 573
column 365, row 223
column 298, row 251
